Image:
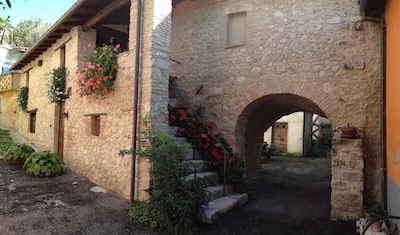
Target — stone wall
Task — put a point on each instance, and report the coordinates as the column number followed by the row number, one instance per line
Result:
column 347, row 178
column 313, row 56
column 8, row 107
column 92, row 156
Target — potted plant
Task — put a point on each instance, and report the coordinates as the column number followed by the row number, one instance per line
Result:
column 349, row 132
column 43, row 163
column 98, row 71
column 17, row 153
column 22, row 98
column 371, row 212
column 235, row 173
column 55, row 87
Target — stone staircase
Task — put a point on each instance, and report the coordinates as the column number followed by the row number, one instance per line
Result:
column 218, row 203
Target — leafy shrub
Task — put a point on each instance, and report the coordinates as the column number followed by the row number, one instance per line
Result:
column 22, row 98
column 44, row 162
column 174, row 202
column 5, row 140
column 55, row 87
column 17, row 152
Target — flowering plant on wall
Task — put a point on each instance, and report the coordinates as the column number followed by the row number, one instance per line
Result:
column 98, row 72
column 208, row 140
column 22, row 98
column 55, row 87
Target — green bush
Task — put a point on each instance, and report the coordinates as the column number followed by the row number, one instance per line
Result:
column 44, row 162
column 17, row 152
column 174, row 202
column 22, row 98
column 5, row 140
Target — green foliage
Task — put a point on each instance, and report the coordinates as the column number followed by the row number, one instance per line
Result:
column 98, row 71
column 28, row 32
column 22, row 97
column 17, row 151
column 293, row 155
column 146, row 214
column 174, row 202
column 44, row 162
column 55, row 87
column 5, row 140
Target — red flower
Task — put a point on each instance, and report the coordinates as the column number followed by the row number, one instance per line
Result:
column 217, row 145
column 230, row 142
column 231, row 160
column 210, row 123
column 215, row 132
column 237, row 151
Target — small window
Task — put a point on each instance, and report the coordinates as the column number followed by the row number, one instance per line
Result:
column 32, row 121
column 27, row 78
column 237, row 29
column 95, row 125
column 40, row 63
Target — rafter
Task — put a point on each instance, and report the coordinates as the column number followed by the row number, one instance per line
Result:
column 104, row 13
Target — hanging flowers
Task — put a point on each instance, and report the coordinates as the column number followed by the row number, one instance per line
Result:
column 95, row 78
column 55, row 87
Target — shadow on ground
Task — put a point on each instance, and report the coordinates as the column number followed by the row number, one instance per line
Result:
column 291, row 196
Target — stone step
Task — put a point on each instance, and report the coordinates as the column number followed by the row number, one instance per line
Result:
column 216, row 208
column 172, row 130
column 210, row 176
column 217, row 191
column 195, row 165
column 193, row 154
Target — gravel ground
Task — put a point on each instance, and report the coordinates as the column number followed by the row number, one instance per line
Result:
column 291, row 196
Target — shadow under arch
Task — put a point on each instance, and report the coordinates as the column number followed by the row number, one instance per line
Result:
column 260, row 114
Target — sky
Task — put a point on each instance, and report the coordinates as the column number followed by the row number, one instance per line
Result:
column 48, row 10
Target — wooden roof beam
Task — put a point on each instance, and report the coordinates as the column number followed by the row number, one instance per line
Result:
column 104, row 13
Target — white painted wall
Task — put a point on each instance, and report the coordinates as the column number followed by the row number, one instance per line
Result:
column 295, row 132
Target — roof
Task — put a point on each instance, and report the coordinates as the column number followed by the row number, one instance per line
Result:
column 105, row 15
column 373, row 8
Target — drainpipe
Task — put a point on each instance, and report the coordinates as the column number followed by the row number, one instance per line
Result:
column 383, row 105
column 136, row 97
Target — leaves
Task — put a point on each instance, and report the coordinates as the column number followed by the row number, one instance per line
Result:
column 55, row 87
column 22, row 98
column 44, row 162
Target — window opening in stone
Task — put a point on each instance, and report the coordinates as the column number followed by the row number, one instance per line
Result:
column 32, row 121
column 95, row 125
column 237, row 29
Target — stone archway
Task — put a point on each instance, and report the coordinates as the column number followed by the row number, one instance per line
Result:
column 347, row 155
column 261, row 114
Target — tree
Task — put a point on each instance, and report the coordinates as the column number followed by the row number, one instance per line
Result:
column 4, row 22
column 28, row 32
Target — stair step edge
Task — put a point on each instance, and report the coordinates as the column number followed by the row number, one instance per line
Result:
column 214, row 209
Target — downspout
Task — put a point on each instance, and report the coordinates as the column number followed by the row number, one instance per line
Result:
column 383, row 105
column 135, row 99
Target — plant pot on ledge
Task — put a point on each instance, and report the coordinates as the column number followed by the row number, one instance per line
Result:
column 349, row 132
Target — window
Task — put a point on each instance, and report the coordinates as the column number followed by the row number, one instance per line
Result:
column 237, row 30
column 32, row 121
column 95, row 125
column 27, row 78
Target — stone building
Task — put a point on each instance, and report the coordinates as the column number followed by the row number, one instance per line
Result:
column 256, row 61
column 9, row 84
column 247, row 62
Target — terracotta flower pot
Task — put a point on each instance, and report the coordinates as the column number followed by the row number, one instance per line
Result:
column 349, row 132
